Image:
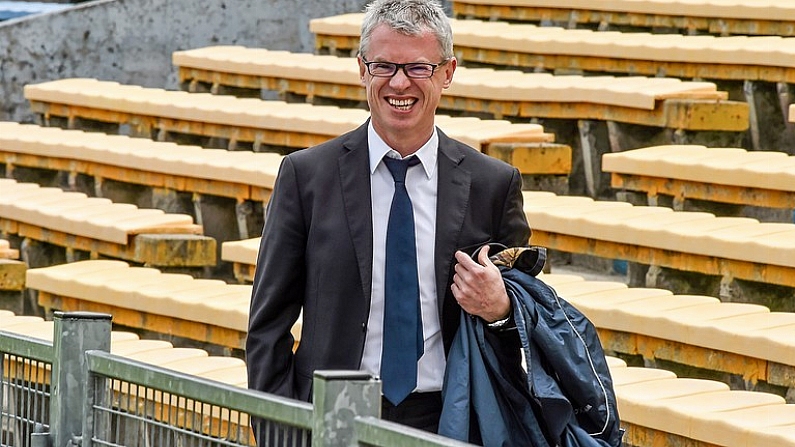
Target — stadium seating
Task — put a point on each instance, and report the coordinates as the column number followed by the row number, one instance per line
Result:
column 169, row 304
column 765, row 17
column 77, row 222
column 744, row 340
column 241, row 175
column 6, row 252
column 736, row 58
column 757, row 70
column 12, row 278
column 243, row 256
column 637, row 100
column 727, row 175
column 298, row 125
column 272, row 125
column 574, row 107
column 658, row 408
column 741, row 340
column 728, row 247
column 338, row 77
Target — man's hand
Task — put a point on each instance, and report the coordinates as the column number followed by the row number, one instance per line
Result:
column 479, row 288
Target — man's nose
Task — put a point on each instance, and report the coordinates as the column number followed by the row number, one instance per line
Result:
column 399, row 79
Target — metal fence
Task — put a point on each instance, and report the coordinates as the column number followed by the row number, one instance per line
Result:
column 24, row 390
column 73, row 392
column 134, row 404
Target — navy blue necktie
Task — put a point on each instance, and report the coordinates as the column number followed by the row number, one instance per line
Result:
column 403, row 342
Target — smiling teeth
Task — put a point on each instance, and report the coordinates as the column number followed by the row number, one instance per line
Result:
column 401, row 103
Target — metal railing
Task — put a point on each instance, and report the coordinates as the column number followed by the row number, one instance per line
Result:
column 135, row 404
column 73, row 392
column 24, row 389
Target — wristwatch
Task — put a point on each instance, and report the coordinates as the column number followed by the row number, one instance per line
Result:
column 500, row 323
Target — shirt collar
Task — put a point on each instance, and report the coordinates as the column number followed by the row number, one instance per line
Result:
column 378, row 149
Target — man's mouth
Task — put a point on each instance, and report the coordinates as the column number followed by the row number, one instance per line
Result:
column 401, row 104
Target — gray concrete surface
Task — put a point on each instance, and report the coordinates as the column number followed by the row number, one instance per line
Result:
column 131, row 41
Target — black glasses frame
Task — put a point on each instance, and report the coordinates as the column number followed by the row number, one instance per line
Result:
column 404, row 67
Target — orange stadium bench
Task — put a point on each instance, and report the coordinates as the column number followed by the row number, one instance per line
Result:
column 574, row 107
column 240, row 175
column 645, row 101
column 12, row 278
column 208, row 311
column 243, row 256
column 726, row 175
column 729, row 248
column 483, row 90
column 764, row 17
column 6, row 252
column 100, row 227
column 740, row 339
column 736, row 58
column 658, row 408
column 737, row 62
column 289, row 126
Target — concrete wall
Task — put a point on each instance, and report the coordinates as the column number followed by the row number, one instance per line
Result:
column 131, row 41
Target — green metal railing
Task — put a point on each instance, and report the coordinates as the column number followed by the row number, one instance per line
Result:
column 73, row 392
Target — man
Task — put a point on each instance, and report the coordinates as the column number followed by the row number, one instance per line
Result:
column 325, row 245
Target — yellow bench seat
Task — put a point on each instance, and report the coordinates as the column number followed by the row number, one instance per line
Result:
column 764, row 51
column 75, row 213
column 701, row 234
column 479, row 83
column 248, row 113
column 177, row 304
column 718, row 166
column 6, row 252
column 749, row 9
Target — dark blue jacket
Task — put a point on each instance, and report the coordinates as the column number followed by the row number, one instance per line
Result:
column 565, row 399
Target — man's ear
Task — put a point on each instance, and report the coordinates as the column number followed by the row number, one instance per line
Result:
column 449, row 69
column 362, row 69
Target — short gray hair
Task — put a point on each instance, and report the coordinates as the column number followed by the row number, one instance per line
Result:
column 409, row 17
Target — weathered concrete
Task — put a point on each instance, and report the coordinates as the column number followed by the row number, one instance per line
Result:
column 131, row 41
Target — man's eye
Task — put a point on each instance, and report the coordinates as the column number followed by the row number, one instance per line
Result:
column 421, row 69
column 382, row 67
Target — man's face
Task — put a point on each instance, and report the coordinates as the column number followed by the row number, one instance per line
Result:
column 401, row 104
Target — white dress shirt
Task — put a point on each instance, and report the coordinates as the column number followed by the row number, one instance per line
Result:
column 422, row 186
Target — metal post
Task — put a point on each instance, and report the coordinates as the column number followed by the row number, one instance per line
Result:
column 39, row 438
column 340, row 396
column 242, row 210
column 749, row 90
column 588, row 147
column 75, row 333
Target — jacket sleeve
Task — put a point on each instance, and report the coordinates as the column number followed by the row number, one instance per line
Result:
column 278, row 289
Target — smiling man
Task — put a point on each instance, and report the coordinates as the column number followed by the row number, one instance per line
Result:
column 370, row 234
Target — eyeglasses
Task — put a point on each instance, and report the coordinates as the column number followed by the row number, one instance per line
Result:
column 414, row 70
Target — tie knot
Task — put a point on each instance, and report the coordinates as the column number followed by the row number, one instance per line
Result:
column 398, row 167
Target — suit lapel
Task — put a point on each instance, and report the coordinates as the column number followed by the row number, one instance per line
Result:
column 452, row 203
column 355, row 182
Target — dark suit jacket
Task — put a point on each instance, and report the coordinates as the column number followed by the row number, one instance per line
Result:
column 317, row 246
